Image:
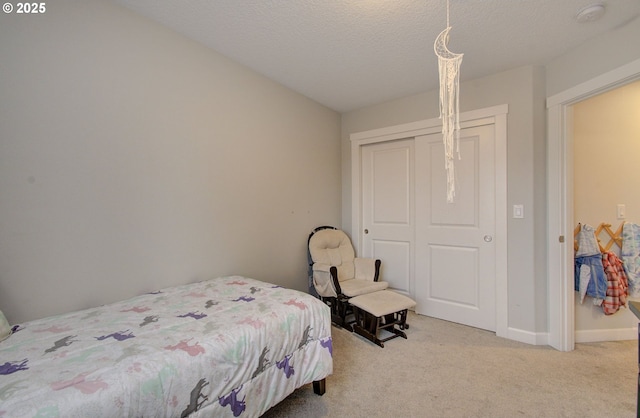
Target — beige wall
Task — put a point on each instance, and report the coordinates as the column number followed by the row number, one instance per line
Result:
column 132, row 158
column 520, row 89
column 606, row 151
column 593, row 58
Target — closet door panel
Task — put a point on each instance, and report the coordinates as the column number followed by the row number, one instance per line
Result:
column 388, row 210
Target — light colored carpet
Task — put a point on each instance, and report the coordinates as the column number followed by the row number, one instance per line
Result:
column 450, row 370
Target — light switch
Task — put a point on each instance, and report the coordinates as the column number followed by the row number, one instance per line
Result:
column 518, row 211
column 622, row 211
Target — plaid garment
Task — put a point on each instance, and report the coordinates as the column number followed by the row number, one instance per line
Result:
column 617, row 283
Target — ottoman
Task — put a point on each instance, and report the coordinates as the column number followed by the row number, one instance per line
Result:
column 381, row 310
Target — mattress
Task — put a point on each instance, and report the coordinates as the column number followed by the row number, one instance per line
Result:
column 231, row 346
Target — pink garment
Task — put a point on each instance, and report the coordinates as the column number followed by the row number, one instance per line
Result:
column 617, row 283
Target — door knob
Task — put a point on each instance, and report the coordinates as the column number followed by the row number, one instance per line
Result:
column 366, row 231
column 488, row 238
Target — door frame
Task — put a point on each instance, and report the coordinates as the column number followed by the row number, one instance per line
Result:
column 560, row 279
column 496, row 115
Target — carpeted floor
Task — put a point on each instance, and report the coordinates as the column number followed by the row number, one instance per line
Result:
column 450, row 370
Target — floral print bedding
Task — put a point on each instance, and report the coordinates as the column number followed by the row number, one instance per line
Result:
column 231, row 346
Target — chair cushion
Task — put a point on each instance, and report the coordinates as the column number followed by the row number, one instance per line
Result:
column 355, row 287
column 333, row 247
column 382, row 303
column 365, row 268
column 5, row 328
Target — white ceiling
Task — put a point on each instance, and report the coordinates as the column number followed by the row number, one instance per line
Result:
column 347, row 54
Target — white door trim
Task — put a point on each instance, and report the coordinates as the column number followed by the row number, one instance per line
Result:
column 492, row 115
column 560, row 199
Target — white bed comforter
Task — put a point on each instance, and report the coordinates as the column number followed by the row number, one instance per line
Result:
column 231, row 346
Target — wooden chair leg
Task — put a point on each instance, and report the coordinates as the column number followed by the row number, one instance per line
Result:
column 369, row 326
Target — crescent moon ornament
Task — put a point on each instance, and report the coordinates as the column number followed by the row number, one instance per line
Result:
column 449, row 69
column 440, row 46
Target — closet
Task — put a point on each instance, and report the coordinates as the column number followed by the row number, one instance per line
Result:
column 450, row 258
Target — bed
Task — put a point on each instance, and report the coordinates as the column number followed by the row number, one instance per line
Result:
column 231, row 346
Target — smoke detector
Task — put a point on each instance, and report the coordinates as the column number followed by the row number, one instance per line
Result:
column 590, row 13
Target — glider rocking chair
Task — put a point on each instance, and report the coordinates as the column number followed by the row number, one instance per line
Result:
column 338, row 275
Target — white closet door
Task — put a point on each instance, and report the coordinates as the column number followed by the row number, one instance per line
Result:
column 388, row 210
column 455, row 247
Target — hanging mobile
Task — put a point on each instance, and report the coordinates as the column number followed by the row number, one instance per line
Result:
column 449, row 69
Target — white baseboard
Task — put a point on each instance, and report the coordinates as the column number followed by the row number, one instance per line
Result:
column 598, row 335
column 585, row 336
column 528, row 337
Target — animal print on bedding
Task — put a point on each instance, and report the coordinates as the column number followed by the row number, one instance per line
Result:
column 231, row 346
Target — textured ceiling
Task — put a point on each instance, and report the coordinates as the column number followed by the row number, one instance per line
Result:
column 347, row 54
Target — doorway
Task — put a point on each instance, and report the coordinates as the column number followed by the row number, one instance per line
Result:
column 560, row 199
column 605, row 158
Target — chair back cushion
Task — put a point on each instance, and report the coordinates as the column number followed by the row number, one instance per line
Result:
column 333, row 247
column 5, row 328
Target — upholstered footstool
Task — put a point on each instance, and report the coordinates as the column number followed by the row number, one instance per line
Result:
column 381, row 310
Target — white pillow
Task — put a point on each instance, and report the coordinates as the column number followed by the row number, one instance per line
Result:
column 5, row 328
